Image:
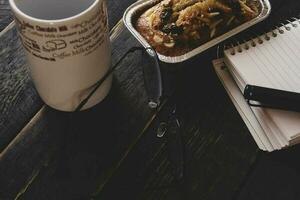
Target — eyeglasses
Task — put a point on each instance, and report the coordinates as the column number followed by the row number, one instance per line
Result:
column 169, row 125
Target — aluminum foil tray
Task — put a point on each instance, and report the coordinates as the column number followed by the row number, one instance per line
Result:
column 136, row 9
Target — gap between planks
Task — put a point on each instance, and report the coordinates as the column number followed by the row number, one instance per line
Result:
column 129, row 149
column 7, row 28
column 114, row 33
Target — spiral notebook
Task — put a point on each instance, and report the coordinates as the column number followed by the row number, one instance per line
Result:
column 270, row 60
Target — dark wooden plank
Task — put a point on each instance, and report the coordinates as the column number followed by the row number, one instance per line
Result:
column 19, row 100
column 38, row 186
column 101, row 136
column 22, row 159
column 213, row 141
column 219, row 149
column 279, row 173
column 5, row 14
column 115, row 8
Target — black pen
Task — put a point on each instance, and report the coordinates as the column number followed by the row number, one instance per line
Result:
column 272, row 98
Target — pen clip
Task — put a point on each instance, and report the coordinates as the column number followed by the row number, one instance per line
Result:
column 251, row 98
column 257, row 96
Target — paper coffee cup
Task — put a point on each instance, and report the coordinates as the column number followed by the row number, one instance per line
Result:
column 67, row 47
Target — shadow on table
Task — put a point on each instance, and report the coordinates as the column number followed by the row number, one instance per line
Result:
column 87, row 144
column 276, row 176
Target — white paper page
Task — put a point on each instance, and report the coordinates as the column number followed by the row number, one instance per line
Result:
column 248, row 69
column 272, row 132
column 287, row 122
column 242, row 107
column 283, row 62
column 274, row 63
column 277, row 139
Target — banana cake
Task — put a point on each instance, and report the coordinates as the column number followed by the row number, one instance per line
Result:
column 175, row 27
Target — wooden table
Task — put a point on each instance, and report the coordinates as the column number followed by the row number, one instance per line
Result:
column 113, row 150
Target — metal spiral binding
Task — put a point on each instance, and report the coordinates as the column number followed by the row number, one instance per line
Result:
column 266, row 36
column 253, row 43
column 239, row 48
column 246, row 45
column 281, row 31
column 260, row 41
column 274, row 34
column 292, row 23
column 232, row 52
column 296, row 20
column 287, row 28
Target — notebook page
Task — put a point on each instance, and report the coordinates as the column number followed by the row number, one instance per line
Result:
column 287, row 122
column 242, row 107
column 277, row 139
column 275, row 135
column 246, row 67
column 275, row 64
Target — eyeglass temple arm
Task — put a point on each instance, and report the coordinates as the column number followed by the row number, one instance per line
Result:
column 154, row 93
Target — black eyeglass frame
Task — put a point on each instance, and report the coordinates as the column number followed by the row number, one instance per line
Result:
column 154, row 89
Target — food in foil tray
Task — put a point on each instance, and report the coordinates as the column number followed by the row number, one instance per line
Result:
column 175, row 27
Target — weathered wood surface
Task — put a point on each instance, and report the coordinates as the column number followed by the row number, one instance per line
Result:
column 116, row 9
column 208, row 142
column 220, row 151
column 5, row 14
column 127, row 160
column 278, row 173
column 122, row 119
column 218, row 148
column 21, row 160
column 103, row 133
column 19, row 100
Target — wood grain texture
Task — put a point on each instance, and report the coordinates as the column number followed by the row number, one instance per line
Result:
column 128, row 101
column 219, row 150
column 99, row 137
column 115, row 9
column 279, row 173
column 208, row 138
column 19, row 100
column 5, row 14
column 22, row 159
